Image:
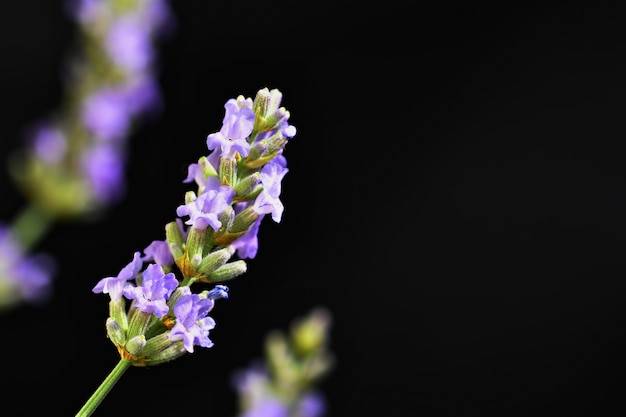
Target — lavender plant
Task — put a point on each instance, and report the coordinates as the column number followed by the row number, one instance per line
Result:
column 160, row 302
column 73, row 162
column 284, row 382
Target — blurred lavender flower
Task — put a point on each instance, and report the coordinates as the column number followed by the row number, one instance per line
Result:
column 75, row 161
column 22, row 277
column 284, row 384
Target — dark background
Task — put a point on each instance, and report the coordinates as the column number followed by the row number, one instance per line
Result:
column 456, row 197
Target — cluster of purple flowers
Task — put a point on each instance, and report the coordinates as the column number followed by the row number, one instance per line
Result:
column 237, row 184
column 76, row 160
column 22, row 277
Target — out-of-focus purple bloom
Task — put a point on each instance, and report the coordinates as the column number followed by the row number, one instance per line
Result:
column 312, row 404
column 129, row 44
column 143, row 95
column 268, row 201
column 156, row 287
column 192, row 323
column 267, row 407
column 105, row 114
column 114, row 286
column 160, row 17
column 237, row 125
column 29, row 276
column 205, row 209
column 49, row 144
column 159, row 252
column 104, row 167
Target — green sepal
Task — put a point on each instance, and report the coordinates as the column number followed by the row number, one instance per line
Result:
column 214, row 260
column 226, row 272
column 135, row 345
column 207, row 168
column 174, row 351
column 138, row 323
column 195, row 242
column 246, row 186
column 115, row 332
column 117, row 311
column 228, row 172
column 174, row 238
column 244, row 220
column 258, row 163
column 156, row 345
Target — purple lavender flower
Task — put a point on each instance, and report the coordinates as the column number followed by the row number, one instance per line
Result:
column 156, row 287
column 268, row 202
column 205, row 209
column 114, row 286
column 237, row 125
column 192, row 323
column 159, row 252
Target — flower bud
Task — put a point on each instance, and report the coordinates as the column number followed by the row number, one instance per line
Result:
column 208, row 170
column 138, row 322
column 115, row 332
column 135, row 345
column 117, row 311
column 226, row 272
column 214, row 260
column 175, row 240
column 174, row 351
column 228, row 172
column 246, row 186
column 156, row 345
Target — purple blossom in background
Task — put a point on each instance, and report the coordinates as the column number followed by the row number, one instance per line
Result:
column 192, row 323
column 143, row 95
column 111, row 84
column 267, row 407
column 114, row 286
column 104, row 168
column 30, row 277
column 156, row 287
column 105, row 114
column 49, row 144
column 129, row 44
column 312, row 404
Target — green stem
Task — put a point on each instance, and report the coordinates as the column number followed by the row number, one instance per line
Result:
column 105, row 387
column 30, row 225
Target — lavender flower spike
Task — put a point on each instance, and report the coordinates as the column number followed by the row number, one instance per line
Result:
column 237, row 184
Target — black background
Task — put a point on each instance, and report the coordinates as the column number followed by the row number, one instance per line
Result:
column 456, row 197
